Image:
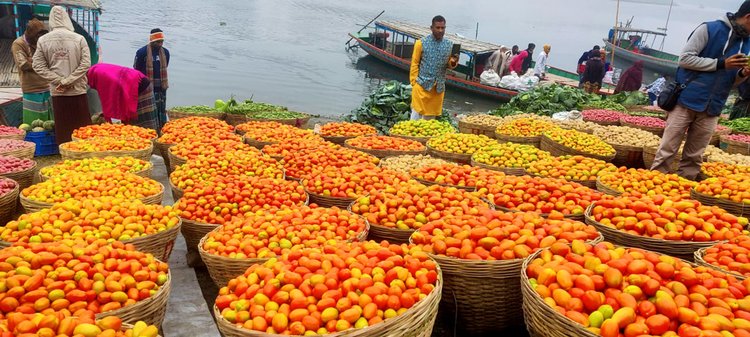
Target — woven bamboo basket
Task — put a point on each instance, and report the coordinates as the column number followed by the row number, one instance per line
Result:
column 20, row 136
column 298, row 122
column 733, row 146
column 174, row 161
column 8, row 203
column 222, row 269
column 736, row 208
column 454, row 157
column 511, row 171
column 31, row 206
column 484, row 296
column 163, row 150
column 649, row 155
column 579, row 217
column 256, row 143
column 24, row 153
column 560, row 150
column 193, row 232
column 143, row 173
column 422, row 140
column 655, row 130
column 177, row 193
column 430, row 183
column 476, row 129
column 681, row 249
column 150, row 310
column 385, row 153
column 144, row 154
column 698, row 257
column 602, row 123
column 340, row 140
column 628, row 156
column 24, row 178
column 534, row 140
column 716, row 137
column 393, row 235
column 325, row 201
column 417, row 321
column 541, row 319
column 588, row 183
column 179, row 114
column 235, row 119
column 158, row 244
column 601, row 187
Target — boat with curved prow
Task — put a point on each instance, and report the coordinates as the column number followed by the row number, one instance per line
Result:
column 393, row 42
column 14, row 15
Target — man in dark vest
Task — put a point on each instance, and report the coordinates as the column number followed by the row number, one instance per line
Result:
column 153, row 60
column 712, row 62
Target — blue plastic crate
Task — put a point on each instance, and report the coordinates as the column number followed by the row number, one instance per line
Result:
column 45, row 143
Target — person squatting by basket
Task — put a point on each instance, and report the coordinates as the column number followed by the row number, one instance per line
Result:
column 712, row 62
column 126, row 94
column 429, row 63
column 152, row 60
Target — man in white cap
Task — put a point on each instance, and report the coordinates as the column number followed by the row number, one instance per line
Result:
column 499, row 61
column 152, row 60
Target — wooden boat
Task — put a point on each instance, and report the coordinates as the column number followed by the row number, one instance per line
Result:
column 393, row 42
column 15, row 14
column 632, row 45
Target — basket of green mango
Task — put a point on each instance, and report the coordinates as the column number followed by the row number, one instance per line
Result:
column 195, row 110
column 293, row 118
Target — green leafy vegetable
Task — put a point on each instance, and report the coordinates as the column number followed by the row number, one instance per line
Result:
column 546, row 100
column 195, row 109
column 630, row 98
column 387, row 105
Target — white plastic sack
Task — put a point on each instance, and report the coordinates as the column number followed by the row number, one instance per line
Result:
column 510, row 81
column 489, row 77
column 567, row 115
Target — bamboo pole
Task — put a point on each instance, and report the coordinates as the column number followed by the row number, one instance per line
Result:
column 614, row 37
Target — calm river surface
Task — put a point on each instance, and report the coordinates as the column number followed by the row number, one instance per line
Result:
column 292, row 52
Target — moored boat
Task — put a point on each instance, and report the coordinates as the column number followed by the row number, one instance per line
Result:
column 632, row 45
column 393, row 42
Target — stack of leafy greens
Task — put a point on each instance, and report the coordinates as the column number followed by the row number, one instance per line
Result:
column 389, row 104
column 630, row 98
column 257, row 110
column 546, row 100
column 605, row 104
column 386, row 106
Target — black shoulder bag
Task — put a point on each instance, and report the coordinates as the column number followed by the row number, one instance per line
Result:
column 668, row 96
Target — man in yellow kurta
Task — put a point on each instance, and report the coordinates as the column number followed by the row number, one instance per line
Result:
column 429, row 63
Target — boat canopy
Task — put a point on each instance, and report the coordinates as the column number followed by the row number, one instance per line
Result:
column 625, row 30
column 418, row 32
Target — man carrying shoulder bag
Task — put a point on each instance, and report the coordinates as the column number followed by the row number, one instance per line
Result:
column 712, row 62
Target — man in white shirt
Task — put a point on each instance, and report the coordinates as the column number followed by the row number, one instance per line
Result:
column 541, row 65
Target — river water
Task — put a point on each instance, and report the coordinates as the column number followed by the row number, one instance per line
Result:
column 291, row 52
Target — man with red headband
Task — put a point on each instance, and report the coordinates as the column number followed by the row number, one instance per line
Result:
column 152, row 60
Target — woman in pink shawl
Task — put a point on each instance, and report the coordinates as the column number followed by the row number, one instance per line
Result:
column 126, row 94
